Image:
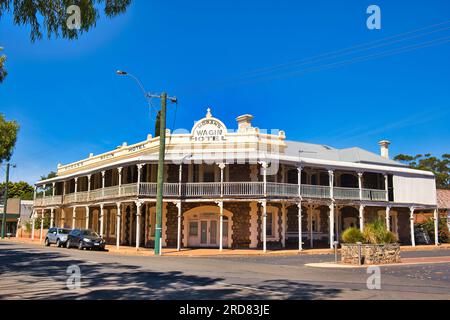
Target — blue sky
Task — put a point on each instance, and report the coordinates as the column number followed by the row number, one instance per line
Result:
column 69, row 102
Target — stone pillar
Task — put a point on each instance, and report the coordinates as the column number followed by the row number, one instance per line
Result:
column 87, row 217
column 388, row 218
column 63, row 218
column 178, row 204
column 118, row 226
column 264, row 226
column 52, row 217
column 299, row 218
column 411, row 226
column 436, row 227
column 102, row 220
column 138, row 222
column 361, row 218
column 332, row 225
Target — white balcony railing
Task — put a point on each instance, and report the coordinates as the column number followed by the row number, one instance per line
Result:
column 213, row 189
column 346, row 193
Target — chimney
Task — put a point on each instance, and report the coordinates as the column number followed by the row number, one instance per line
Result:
column 384, row 144
column 244, row 122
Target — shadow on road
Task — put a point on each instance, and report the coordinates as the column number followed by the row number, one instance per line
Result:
column 42, row 275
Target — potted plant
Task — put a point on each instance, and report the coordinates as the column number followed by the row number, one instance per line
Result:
column 375, row 245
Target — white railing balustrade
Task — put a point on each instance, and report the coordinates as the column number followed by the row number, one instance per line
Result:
column 346, row 193
column 202, row 189
column 127, row 190
column 310, row 191
column 374, row 195
column 242, row 188
column 282, row 189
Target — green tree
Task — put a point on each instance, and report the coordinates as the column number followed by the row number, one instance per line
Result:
column 52, row 16
column 3, row 72
column 19, row 189
column 439, row 166
column 8, row 137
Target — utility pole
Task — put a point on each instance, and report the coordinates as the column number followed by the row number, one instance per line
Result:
column 5, row 204
column 160, row 179
column 162, row 150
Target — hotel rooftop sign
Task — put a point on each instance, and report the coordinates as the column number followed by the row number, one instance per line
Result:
column 209, row 129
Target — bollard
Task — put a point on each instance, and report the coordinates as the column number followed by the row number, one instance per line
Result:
column 359, row 253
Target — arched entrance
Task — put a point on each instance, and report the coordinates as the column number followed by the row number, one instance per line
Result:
column 201, row 225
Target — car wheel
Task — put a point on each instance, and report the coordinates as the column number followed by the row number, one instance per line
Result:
column 58, row 243
column 68, row 244
column 80, row 245
column 47, row 243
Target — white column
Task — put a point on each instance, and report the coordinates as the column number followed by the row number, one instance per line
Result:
column 138, row 222
column 386, row 186
column 299, row 217
column 119, row 170
column 332, row 225
column 33, row 221
column 118, row 226
column 103, row 184
column 331, row 178
column 411, row 226
column 139, row 170
column 74, row 217
column 42, row 225
column 89, row 186
column 220, row 225
column 52, row 217
column 43, row 194
column 337, row 224
column 361, row 218
column 388, row 218
column 264, row 167
column 222, row 167
column 53, row 189
column 360, row 185
column 299, row 182
column 180, row 178
column 87, row 217
column 311, row 234
column 102, row 219
column 264, row 216
column 178, row 204
column 436, row 227
column 283, row 225
column 76, row 189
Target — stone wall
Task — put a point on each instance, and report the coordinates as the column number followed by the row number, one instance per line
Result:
column 239, row 172
column 370, row 254
column 241, row 223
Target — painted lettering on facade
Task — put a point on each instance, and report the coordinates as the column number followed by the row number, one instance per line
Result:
column 209, row 130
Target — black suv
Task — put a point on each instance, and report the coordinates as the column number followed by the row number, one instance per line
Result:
column 83, row 238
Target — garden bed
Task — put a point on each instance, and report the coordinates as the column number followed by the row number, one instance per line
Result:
column 370, row 253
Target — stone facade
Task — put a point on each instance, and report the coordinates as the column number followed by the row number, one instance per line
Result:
column 241, row 223
column 370, row 253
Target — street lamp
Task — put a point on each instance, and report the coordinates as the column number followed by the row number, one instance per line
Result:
column 162, row 150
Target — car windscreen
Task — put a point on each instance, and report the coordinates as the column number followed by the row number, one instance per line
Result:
column 90, row 233
column 63, row 231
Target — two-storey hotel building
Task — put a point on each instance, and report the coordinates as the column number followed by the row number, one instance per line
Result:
column 242, row 188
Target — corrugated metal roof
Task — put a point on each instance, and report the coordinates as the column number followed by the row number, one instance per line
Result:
column 324, row 152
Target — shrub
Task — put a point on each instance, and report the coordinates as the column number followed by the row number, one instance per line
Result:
column 428, row 226
column 352, row 235
column 377, row 233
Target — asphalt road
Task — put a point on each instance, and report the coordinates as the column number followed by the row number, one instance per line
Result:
column 33, row 272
